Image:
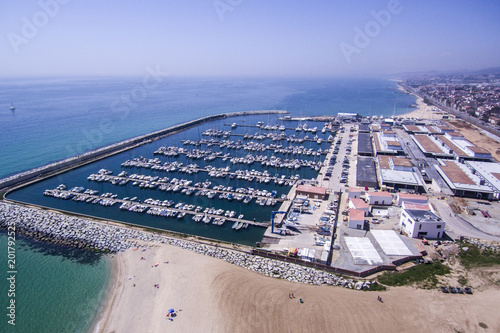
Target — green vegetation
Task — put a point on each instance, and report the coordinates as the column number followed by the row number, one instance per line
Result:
column 463, row 280
column 377, row 287
column 424, row 274
column 475, row 257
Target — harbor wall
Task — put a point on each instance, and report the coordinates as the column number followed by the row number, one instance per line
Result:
column 55, row 168
column 62, row 229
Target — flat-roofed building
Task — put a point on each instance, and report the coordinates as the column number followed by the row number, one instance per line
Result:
column 398, row 172
column 432, row 147
column 366, row 174
column 378, row 198
column 488, row 174
column 386, row 143
column 312, row 192
column 454, row 136
column 463, row 149
column 464, row 181
column 365, row 147
column 421, row 223
column 363, row 128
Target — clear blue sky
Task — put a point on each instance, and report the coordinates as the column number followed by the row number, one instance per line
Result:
column 255, row 37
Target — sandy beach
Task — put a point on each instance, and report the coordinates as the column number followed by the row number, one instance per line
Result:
column 211, row 295
column 423, row 111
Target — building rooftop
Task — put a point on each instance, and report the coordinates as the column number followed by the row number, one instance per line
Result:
column 365, row 170
column 414, row 206
column 393, row 143
column 423, row 215
column 365, row 144
column 453, row 147
column 427, row 144
column 413, row 128
column 356, row 215
column 455, row 134
column 311, row 189
column 380, row 194
column 489, row 171
column 455, row 174
column 431, row 129
column 401, row 161
column 412, row 196
column 478, row 150
column 359, row 204
column 400, row 177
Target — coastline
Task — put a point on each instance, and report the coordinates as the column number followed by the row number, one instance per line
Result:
column 211, row 295
column 110, row 294
column 422, row 111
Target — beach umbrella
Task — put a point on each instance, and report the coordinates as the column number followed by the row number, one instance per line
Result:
column 171, row 311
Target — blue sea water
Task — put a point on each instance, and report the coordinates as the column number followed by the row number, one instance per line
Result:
column 58, row 118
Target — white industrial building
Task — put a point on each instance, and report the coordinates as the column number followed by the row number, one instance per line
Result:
column 421, row 223
column 378, row 198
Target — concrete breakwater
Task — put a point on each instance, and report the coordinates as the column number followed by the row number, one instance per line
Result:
column 92, row 156
column 77, row 232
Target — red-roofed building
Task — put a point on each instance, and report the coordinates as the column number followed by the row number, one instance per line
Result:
column 312, row 192
column 378, row 198
column 355, row 192
column 413, row 198
column 359, row 205
column 414, row 206
column 356, row 219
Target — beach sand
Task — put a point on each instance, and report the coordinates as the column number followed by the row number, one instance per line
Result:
column 211, row 295
column 423, row 111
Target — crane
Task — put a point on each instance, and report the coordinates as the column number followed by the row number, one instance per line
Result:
column 273, row 214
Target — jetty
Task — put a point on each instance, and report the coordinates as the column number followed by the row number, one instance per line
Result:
column 49, row 170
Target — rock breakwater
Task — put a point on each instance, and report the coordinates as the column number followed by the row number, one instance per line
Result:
column 61, row 229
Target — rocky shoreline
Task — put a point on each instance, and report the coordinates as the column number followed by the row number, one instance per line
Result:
column 61, row 229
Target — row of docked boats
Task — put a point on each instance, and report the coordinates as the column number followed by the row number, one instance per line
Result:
column 174, row 151
column 222, row 172
column 155, row 207
column 186, row 187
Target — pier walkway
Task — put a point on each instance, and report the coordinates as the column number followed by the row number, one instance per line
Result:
column 84, row 196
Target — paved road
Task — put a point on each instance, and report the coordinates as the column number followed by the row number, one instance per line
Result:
column 459, row 226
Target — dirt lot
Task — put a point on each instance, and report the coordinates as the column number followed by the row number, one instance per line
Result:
column 474, row 135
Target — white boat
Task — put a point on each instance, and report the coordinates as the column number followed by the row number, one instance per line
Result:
column 12, row 108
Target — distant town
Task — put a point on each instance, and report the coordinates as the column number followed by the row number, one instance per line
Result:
column 476, row 95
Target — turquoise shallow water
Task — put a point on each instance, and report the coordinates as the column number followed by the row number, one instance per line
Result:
column 57, row 118
column 57, row 289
